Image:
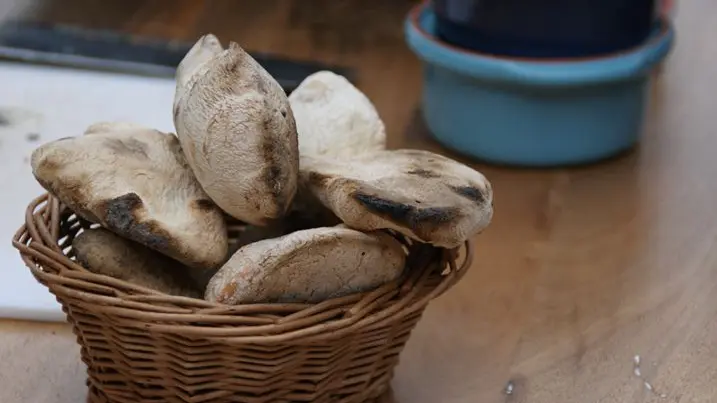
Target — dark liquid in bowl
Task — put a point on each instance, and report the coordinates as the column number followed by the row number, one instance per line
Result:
column 545, row 28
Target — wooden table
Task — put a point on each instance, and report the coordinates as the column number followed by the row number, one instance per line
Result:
column 581, row 271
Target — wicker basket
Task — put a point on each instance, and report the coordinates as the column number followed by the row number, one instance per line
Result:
column 143, row 346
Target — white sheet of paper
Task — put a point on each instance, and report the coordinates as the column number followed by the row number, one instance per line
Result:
column 39, row 104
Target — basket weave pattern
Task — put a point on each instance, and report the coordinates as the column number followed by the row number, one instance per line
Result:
column 140, row 345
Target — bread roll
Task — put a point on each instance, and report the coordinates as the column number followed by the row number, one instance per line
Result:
column 102, row 252
column 425, row 196
column 334, row 119
column 308, row 266
column 135, row 182
column 238, row 132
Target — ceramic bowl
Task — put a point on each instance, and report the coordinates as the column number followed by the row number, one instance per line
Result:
column 533, row 112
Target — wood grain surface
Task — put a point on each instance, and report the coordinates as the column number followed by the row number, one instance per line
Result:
column 582, row 269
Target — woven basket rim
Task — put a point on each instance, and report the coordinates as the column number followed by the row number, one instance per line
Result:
column 40, row 243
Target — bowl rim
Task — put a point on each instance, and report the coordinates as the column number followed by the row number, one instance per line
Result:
column 632, row 64
column 415, row 15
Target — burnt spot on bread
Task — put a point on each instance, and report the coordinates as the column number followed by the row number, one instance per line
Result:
column 406, row 215
column 423, row 173
column 273, row 177
column 127, row 147
column 152, row 235
column 204, row 205
column 121, row 215
column 469, row 192
column 120, row 212
column 435, row 215
column 273, row 180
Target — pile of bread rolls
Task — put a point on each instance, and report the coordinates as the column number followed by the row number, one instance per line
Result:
column 307, row 174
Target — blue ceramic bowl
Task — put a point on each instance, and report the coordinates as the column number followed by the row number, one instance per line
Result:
column 533, row 112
